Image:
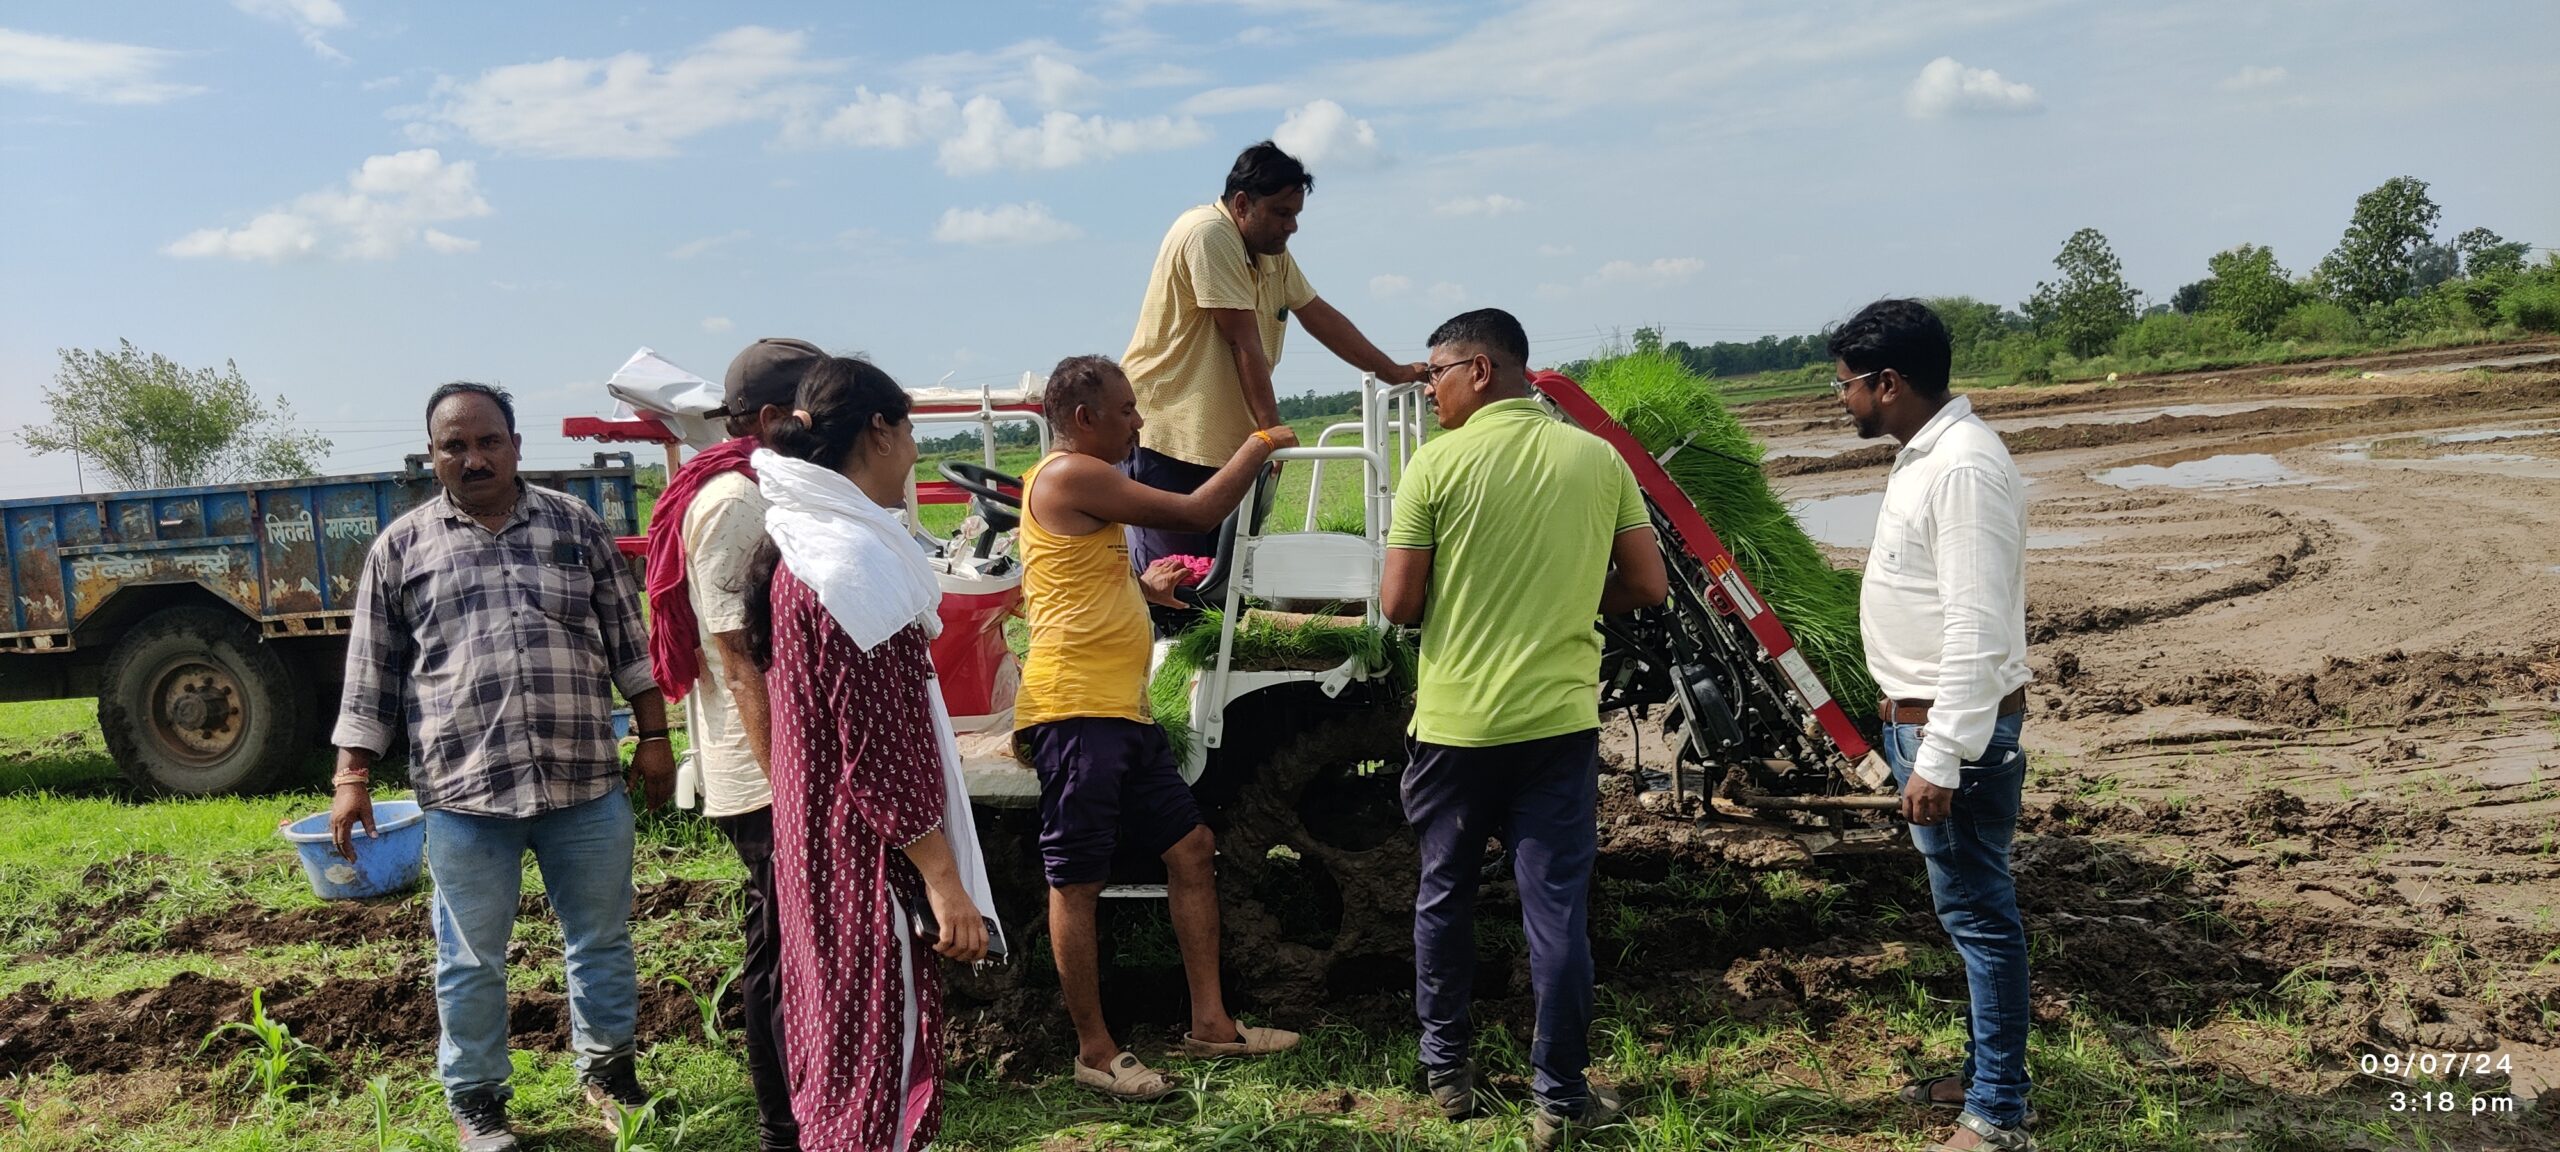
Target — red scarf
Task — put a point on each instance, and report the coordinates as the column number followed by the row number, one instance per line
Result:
column 675, row 637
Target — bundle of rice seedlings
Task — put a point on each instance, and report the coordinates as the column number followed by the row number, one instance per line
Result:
column 1266, row 643
column 1664, row 404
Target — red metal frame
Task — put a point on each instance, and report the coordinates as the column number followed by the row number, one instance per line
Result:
column 1700, row 540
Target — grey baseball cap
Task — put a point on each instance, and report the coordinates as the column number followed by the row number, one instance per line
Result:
column 767, row 372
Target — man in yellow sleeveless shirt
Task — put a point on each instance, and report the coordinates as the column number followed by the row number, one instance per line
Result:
column 1106, row 772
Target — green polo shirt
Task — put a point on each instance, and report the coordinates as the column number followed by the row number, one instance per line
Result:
column 1519, row 510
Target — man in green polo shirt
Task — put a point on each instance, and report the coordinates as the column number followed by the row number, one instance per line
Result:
column 1512, row 530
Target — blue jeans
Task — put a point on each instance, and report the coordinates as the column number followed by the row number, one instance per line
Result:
column 478, row 866
column 1968, row 858
column 1538, row 797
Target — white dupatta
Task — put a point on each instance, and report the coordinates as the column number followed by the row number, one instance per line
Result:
column 873, row 577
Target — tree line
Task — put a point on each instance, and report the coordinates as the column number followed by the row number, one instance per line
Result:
column 2390, row 280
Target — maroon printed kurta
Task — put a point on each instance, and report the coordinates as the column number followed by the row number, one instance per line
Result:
column 857, row 775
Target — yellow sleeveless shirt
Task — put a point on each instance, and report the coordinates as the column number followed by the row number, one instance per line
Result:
column 1090, row 633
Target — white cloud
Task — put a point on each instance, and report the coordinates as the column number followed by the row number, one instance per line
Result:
column 989, row 139
column 1494, row 204
column 1660, row 271
column 1946, row 88
column 308, row 18
column 1058, row 84
column 100, row 71
column 692, row 248
column 889, row 120
column 1321, row 132
column 1388, row 285
column 2253, row 77
column 1445, row 292
column 1013, row 224
column 385, row 206
column 627, row 106
column 1563, row 58
column 716, row 324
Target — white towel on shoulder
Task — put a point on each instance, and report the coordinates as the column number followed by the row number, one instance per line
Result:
column 874, row 578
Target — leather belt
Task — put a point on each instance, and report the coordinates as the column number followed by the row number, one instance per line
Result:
column 1917, row 711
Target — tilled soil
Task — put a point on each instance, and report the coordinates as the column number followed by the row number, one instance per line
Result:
column 2296, row 748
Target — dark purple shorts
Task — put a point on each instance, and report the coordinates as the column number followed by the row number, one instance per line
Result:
column 1105, row 781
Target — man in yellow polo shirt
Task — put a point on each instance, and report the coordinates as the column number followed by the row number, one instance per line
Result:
column 1512, row 531
column 1209, row 332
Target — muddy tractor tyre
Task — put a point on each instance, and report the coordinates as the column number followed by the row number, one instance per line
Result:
column 1316, row 867
column 194, row 704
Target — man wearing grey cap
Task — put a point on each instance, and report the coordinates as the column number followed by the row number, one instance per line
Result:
column 702, row 536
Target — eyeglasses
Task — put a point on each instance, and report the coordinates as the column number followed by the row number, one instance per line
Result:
column 1840, row 387
column 1431, row 372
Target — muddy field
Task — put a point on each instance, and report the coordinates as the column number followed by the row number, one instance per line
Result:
column 2295, row 803
column 2293, row 632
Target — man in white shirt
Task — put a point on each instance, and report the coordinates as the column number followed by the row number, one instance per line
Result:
column 1942, row 610
column 702, row 536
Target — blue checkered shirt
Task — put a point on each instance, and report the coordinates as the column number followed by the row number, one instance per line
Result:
column 498, row 651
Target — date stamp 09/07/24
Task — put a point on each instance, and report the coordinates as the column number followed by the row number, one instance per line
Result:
column 2439, row 1083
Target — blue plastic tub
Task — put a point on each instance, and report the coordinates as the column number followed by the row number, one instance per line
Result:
column 385, row 863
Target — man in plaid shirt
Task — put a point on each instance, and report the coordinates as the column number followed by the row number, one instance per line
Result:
column 494, row 622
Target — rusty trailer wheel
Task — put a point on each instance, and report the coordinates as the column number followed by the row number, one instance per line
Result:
column 194, row 704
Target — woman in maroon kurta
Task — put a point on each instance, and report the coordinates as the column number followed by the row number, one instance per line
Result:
column 856, row 777
column 859, row 790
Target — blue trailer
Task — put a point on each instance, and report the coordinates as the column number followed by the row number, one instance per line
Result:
column 211, row 622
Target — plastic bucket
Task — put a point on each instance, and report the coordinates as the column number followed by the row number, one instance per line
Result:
column 385, row 863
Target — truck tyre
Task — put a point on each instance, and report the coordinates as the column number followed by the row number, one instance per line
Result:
column 194, row 704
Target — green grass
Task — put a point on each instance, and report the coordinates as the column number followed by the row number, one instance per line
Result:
column 1702, row 1079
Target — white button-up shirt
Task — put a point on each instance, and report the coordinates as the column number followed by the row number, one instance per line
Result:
column 1943, row 605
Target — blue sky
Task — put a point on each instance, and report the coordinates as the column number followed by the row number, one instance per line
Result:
column 358, row 199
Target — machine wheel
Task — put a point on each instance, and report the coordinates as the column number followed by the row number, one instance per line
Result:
column 1316, row 867
column 194, row 704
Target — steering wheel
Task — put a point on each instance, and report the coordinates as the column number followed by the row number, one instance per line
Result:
column 1002, row 510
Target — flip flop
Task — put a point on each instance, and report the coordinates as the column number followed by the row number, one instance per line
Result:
column 1249, row 1041
column 1127, row 1080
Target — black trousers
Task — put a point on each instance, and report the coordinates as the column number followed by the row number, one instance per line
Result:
column 760, row 985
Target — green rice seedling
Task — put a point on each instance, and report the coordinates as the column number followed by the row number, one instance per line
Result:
column 377, row 1093
column 1679, row 418
column 1265, row 643
column 635, row 1123
column 280, row 1054
column 709, row 1006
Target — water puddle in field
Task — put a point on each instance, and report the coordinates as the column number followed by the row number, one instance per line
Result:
column 2197, row 566
column 2468, row 365
column 2433, row 445
column 1840, row 521
column 1850, row 522
column 2219, row 473
column 2154, row 412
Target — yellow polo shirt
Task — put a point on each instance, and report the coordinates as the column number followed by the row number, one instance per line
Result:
column 1180, row 366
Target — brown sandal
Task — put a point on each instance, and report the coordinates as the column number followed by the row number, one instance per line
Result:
column 1127, row 1080
column 1249, row 1041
